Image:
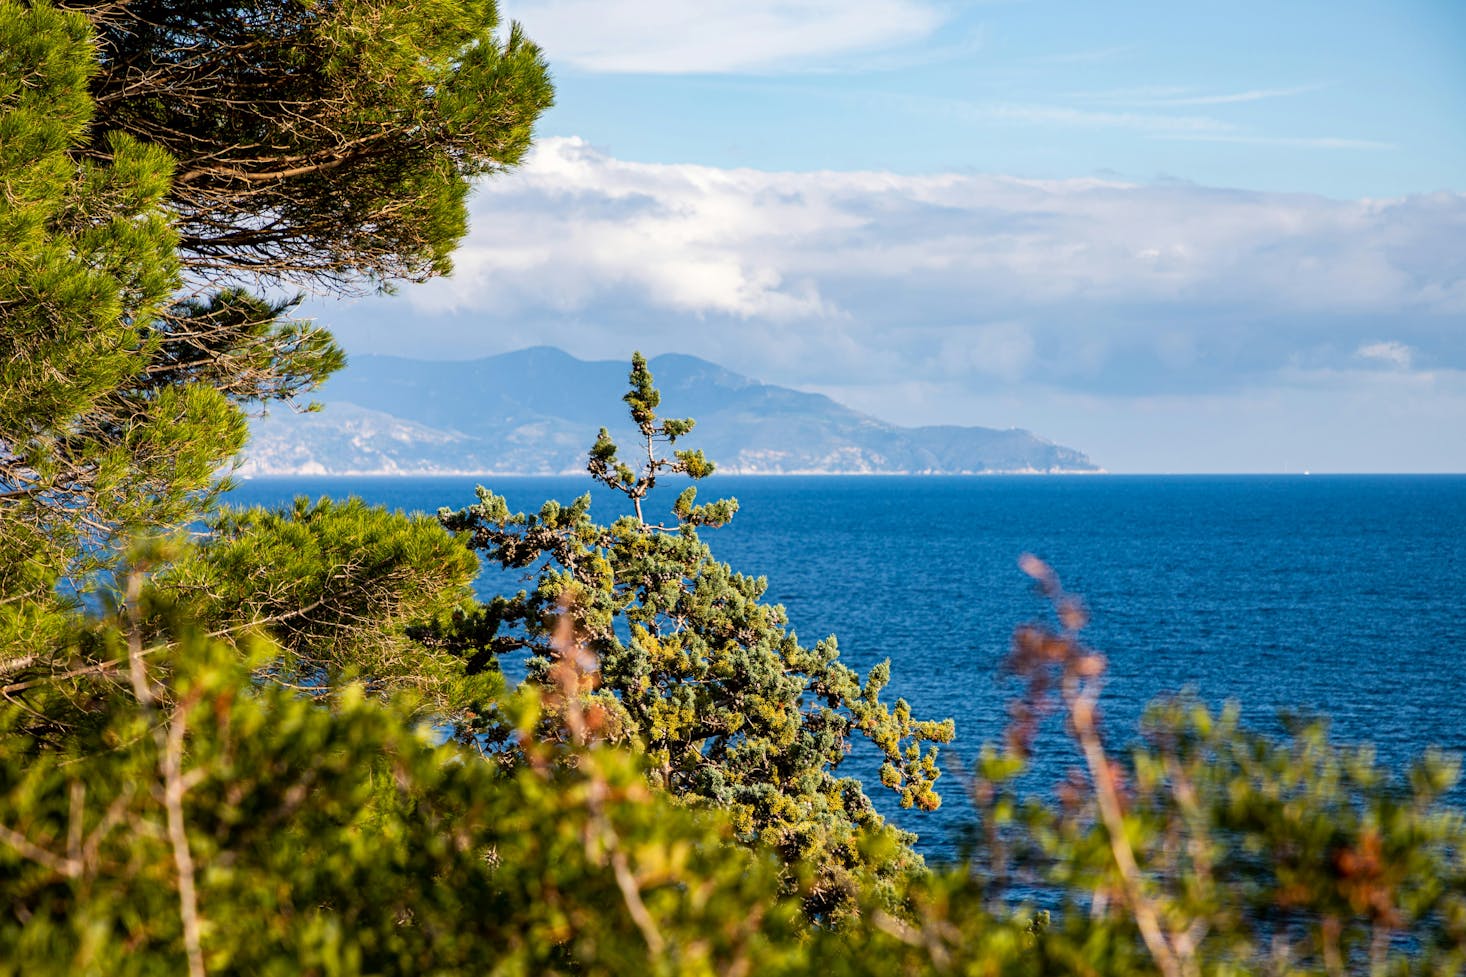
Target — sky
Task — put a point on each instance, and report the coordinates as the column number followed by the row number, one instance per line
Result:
column 1180, row 237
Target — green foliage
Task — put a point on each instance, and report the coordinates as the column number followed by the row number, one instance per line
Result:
column 730, row 710
column 89, row 262
column 211, row 823
column 354, row 126
column 145, row 144
column 1213, row 849
column 346, row 590
column 190, row 779
column 118, row 406
column 341, row 841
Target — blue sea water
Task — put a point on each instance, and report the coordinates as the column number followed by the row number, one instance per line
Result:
column 1343, row 595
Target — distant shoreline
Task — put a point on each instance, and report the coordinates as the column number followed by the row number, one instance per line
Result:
column 571, row 472
column 580, row 472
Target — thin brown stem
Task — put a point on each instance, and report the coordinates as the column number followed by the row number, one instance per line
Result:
column 61, row 866
column 1081, row 712
column 173, row 781
column 137, row 668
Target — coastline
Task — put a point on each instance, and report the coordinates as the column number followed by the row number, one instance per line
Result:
column 321, row 472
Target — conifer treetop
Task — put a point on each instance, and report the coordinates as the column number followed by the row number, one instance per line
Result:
column 606, row 466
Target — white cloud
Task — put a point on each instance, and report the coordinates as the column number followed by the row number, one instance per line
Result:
column 1158, row 327
column 1390, row 353
column 660, row 37
column 848, row 277
column 575, row 224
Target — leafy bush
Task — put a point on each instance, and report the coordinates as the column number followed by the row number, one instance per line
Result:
column 1209, row 848
column 237, row 827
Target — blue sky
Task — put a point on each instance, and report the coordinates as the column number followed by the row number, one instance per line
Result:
column 1181, row 237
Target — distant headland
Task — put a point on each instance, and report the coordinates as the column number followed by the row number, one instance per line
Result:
column 536, row 411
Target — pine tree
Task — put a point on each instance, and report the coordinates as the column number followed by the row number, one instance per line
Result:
column 328, row 143
column 154, row 158
column 703, row 676
column 89, row 445
column 348, row 591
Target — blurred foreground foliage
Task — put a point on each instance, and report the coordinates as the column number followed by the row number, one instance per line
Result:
column 342, row 840
column 287, row 747
column 1208, row 848
column 210, row 822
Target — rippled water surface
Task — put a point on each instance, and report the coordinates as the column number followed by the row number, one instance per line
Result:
column 1337, row 594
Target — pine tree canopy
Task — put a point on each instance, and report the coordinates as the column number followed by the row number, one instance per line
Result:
column 324, row 143
column 346, row 590
column 156, row 157
column 702, row 675
column 87, row 444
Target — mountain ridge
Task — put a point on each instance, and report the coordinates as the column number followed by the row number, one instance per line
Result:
column 535, row 411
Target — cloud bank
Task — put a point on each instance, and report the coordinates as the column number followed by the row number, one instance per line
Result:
column 1100, row 286
column 1151, row 325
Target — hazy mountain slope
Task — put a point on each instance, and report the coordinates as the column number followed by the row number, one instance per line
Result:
column 536, row 411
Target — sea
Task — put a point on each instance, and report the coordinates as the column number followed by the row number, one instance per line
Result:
column 1335, row 595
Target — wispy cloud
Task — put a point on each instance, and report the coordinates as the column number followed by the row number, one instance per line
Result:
column 1144, row 100
column 1175, row 97
column 1148, row 122
column 718, row 36
column 1155, row 124
column 1296, row 142
column 1055, row 116
column 1086, row 56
